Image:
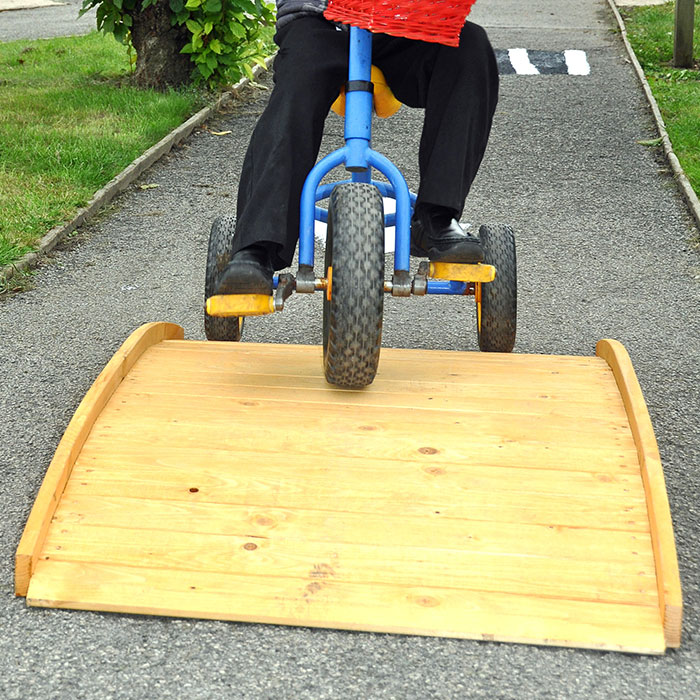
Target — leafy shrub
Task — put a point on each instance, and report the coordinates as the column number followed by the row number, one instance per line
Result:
column 226, row 36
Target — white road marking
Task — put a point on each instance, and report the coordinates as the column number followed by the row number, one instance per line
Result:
column 521, row 62
column 577, row 62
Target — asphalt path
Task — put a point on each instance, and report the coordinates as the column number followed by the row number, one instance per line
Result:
column 606, row 249
column 46, row 22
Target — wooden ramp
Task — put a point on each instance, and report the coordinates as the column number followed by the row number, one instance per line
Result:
column 500, row 497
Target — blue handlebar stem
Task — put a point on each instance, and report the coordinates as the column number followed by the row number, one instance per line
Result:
column 359, row 158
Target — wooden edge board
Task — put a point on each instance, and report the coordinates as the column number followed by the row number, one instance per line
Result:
column 661, row 525
column 73, row 440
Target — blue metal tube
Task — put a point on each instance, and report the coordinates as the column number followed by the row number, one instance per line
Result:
column 358, row 157
column 362, row 175
column 385, row 189
column 324, row 191
column 390, row 219
column 308, row 203
column 360, row 54
column 321, row 214
column 446, row 287
column 402, row 256
column 358, row 103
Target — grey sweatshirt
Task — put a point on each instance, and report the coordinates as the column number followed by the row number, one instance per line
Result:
column 287, row 10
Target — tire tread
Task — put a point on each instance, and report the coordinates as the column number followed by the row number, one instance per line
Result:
column 353, row 317
column 218, row 257
column 499, row 298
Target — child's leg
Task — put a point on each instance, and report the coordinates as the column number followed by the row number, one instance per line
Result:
column 310, row 69
column 458, row 87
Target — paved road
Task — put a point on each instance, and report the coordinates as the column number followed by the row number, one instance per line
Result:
column 606, row 249
column 45, row 22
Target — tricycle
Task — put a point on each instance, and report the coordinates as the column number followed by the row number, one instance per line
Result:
column 353, row 281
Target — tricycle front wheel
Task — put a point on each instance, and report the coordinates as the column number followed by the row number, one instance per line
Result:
column 354, row 302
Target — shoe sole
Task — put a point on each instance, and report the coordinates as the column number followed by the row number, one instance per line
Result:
column 465, row 257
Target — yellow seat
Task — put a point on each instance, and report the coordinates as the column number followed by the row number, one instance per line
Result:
column 385, row 104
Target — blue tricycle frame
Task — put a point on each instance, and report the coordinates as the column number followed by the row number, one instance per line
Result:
column 352, row 322
column 359, row 158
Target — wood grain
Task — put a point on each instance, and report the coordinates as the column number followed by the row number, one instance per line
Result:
column 664, row 545
column 315, row 602
column 73, row 439
column 471, row 495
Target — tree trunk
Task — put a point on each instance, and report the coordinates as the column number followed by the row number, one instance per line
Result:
column 159, row 63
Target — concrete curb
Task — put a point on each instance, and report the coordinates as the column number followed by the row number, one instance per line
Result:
column 681, row 178
column 124, row 179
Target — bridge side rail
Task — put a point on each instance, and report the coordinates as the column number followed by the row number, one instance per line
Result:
column 74, row 438
column 661, row 526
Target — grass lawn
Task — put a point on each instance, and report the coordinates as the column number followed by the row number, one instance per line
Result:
column 69, row 122
column 677, row 91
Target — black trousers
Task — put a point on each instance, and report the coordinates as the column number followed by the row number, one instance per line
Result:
column 457, row 86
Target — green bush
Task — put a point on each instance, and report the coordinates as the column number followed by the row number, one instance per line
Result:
column 226, row 36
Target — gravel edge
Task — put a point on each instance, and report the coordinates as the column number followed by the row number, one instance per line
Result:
column 121, row 181
column 681, row 178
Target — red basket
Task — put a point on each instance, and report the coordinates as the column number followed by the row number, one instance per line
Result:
column 439, row 21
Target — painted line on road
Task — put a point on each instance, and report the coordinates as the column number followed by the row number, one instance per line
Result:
column 534, row 62
column 521, row 63
column 577, row 61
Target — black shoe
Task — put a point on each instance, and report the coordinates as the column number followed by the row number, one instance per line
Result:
column 439, row 237
column 249, row 272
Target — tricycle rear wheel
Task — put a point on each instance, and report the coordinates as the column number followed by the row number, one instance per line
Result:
column 496, row 301
column 354, row 303
column 218, row 257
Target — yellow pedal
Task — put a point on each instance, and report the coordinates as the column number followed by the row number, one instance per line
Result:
column 240, row 305
column 460, row 272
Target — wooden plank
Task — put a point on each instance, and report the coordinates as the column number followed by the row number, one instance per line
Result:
column 403, row 366
column 668, row 576
column 73, row 439
column 472, row 449
column 567, row 512
column 306, row 353
column 683, row 29
column 434, row 429
column 483, row 398
column 415, row 528
column 325, row 602
column 137, row 405
column 354, row 563
column 481, row 388
column 479, row 391
column 174, row 463
column 408, row 368
column 478, row 492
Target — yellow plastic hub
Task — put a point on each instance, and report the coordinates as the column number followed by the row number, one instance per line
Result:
column 240, row 305
column 477, row 298
column 460, row 272
column 329, row 283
